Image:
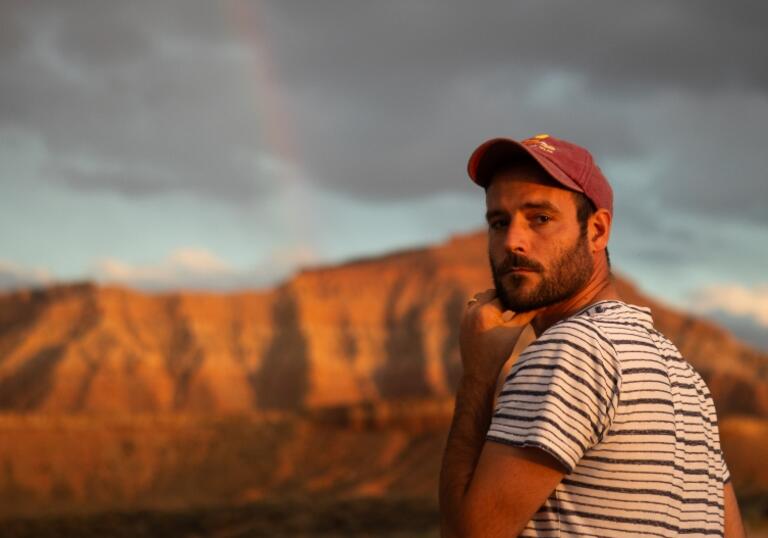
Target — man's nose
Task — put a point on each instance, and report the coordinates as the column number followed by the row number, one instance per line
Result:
column 518, row 236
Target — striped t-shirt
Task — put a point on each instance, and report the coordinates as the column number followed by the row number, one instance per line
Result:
column 632, row 423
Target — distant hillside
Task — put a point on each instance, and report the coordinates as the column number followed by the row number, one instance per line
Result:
column 338, row 382
column 370, row 330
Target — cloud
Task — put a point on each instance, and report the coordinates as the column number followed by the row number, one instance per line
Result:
column 188, row 266
column 385, row 100
column 198, row 268
column 138, row 99
column 746, row 329
column 632, row 47
column 653, row 81
column 14, row 276
column 735, row 300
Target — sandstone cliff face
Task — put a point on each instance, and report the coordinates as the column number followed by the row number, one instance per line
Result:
column 371, row 330
column 339, row 382
column 84, row 348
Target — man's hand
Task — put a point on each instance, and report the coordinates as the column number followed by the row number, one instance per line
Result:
column 488, row 335
column 492, row 504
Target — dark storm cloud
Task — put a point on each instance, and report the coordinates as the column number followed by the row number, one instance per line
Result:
column 385, row 100
column 128, row 97
column 393, row 96
column 701, row 45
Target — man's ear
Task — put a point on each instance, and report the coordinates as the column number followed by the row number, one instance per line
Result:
column 599, row 229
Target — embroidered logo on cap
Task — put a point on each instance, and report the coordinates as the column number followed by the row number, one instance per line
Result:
column 538, row 142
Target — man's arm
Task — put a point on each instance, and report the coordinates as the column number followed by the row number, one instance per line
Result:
column 488, row 489
column 733, row 525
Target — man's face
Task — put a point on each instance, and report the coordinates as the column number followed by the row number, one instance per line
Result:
column 538, row 254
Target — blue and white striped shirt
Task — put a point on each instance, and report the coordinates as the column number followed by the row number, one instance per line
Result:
column 629, row 419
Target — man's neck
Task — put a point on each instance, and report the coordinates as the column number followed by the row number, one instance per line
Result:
column 600, row 287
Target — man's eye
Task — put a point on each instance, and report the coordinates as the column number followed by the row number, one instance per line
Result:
column 497, row 224
column 541, row 219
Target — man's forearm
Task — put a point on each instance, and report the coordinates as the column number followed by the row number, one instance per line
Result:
column 471, row 420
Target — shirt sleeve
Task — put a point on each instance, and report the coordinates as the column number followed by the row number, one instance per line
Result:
column 726, row 474
column 561, row 395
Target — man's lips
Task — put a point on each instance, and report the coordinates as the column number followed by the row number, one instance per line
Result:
column 520, row 270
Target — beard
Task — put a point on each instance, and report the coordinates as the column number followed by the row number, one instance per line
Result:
column 568, row 274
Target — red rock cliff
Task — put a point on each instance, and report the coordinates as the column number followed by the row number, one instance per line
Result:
column 375, row 329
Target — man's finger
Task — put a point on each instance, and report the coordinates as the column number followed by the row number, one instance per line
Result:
column 497, row 304
column 482, row 297
column 485, row 296
column 511, row 316
column 517, row 319
column 506, row 315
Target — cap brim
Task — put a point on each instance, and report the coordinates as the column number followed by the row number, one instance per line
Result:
column 490, row 153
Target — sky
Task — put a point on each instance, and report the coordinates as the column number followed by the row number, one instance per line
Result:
column 199, row 144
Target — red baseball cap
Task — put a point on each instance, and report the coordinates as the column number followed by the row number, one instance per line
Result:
column 567, row 163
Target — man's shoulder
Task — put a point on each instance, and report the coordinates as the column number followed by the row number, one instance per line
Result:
column 608, row 328
column 578, row 328
column 629, row 325
column 577, row 342
column 593, row 323
column 618, row 321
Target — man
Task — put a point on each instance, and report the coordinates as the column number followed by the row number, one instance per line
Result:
column 601, row 428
